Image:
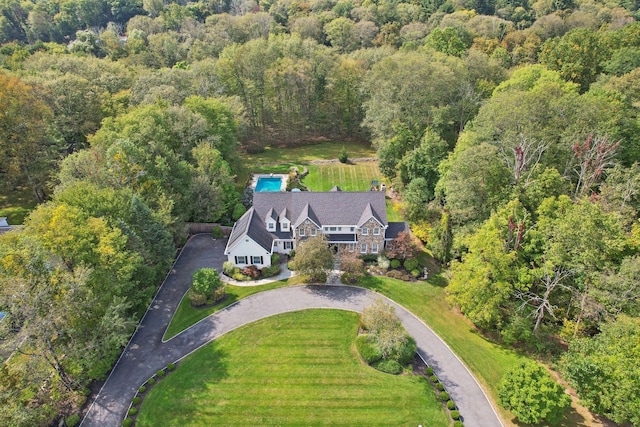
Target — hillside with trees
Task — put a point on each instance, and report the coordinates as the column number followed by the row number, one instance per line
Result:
column 510, row 129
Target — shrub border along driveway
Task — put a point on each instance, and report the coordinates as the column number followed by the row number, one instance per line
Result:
column 146, row 353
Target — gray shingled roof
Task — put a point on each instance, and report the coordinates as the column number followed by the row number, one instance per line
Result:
column 394, row 229
column 326, row 208
column 250, row 225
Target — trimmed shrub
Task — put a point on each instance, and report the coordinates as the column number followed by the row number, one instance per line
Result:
column 251, row 271
column 132, row 411
column 428, row 370
column 433, row 379
column 161, row 373
column 127, row 422
column 271, row 271
column 227, row 268
column 411, row 264
column 275, row 258
column 319, row 278
column 369, row 258
column 405, row 353
column 369, row 352
column 395, row 263
column 142, row 389
column 239, row 277
column 217, row 233
column 444, row 396
column 388, row 366
column 451, row 405
column 455, row 415
column 136, row 400
column 197, row 299
column 458, row 424
column 415, row 273
column 440, row 386
column 72, row 420
column 400, row 275
column 350, row 278
column 151, row 381
column 383, row 262
column 171, row 367
column 292, row 253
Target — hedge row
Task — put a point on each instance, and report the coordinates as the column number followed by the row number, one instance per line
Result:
column 444, row 396
column 134, row 406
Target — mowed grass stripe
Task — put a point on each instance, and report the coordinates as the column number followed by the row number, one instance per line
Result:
column 349, row 177
column 294, row 369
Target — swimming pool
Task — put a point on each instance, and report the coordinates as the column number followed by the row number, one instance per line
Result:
column 268, row 184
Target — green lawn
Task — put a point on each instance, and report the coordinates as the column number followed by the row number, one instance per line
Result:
column 295, row 369
column 279, row 160
column 17, row 204
column 486, row 360
column 186, row 315
column 349, row 177
column 306, row 153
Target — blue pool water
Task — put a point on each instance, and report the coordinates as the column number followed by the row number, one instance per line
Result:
column 2, row 314
column 268, row 184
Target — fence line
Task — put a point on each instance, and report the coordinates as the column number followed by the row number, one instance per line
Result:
column 207, row 227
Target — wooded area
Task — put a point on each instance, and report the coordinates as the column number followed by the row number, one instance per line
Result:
column 509, row 127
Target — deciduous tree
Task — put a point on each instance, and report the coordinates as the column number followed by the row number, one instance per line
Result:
column 532, row 395
column 314, row 257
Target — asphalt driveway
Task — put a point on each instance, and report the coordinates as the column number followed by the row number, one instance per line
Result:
column 146, row 353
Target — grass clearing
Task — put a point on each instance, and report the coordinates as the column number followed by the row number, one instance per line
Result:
column 186, row 315
column 280, row 159
column 17, row 204
column 487, row 361
column 294, row 369
column 309, row 152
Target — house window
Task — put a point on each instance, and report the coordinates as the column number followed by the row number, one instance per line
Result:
column 374, row 248
column 376, row 231
column 352, row 247
column 288, row 245
column 353, row 229
column 256, row 260
column 363, row 248
column 271, row 226
column 365, row 231
column 284, row 226
column 241, row 260
column 301, row 232
column 313, row 231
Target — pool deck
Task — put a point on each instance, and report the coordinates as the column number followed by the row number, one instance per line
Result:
column 284, row 179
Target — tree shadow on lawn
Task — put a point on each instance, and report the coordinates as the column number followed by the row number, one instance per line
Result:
column 187, row 390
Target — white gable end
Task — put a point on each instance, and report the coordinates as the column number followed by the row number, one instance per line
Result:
column 248, row 252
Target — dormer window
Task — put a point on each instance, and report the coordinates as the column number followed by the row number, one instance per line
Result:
column 284, row 226
column 271, row 226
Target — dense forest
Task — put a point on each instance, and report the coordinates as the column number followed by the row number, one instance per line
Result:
column 510, row 128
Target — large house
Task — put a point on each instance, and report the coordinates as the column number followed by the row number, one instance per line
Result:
column 279, row 221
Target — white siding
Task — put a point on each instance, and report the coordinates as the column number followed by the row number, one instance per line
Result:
column 249, row 248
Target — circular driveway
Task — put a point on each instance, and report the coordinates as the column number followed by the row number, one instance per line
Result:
column 146, row 353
